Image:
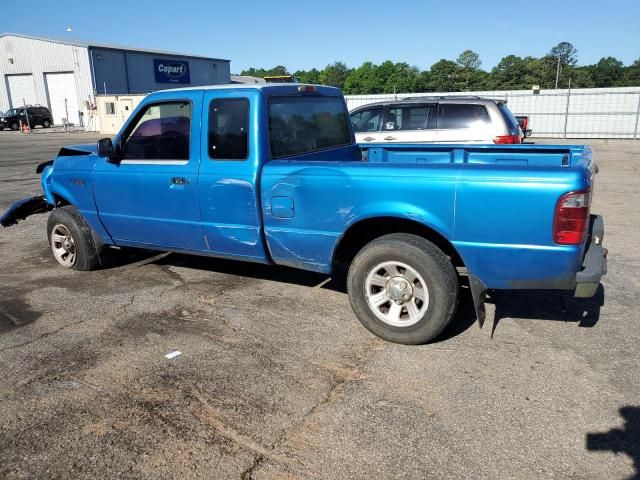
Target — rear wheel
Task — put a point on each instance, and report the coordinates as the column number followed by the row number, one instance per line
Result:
column 46, row 123
column 70, row 239
column 403, row 288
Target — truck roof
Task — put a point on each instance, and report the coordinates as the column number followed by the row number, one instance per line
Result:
column 253, row 86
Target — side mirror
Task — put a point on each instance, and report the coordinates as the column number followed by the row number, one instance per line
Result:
column 105, row 149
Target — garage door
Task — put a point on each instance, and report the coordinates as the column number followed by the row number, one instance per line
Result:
column 61, row 87
column 21, row 90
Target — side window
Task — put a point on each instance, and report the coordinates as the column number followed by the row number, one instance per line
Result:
column 367, row 120
column 229, row 128
column 418, row 117
column 460, row 115
column 110, row 108
column 161, row 132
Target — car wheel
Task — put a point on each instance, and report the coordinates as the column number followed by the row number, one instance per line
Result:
column 70, row 239
column 46, row 123
column 403, row 288
column 14, row 126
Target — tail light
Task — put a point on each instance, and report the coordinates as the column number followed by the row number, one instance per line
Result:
column 507, row 139
column 571, row 220
column 525, row 123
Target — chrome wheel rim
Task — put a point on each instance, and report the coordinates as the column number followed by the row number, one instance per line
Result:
column 396, row 293
column 63, row 246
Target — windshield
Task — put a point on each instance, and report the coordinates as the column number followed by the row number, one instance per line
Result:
column 13, row 111
column 300, row 125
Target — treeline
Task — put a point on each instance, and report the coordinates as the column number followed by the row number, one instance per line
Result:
column 464, row 74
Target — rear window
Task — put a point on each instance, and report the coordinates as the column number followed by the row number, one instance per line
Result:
column 460, row 115
column 511, row 120
column 300, row 125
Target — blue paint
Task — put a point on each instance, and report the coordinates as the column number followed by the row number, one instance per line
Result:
column 494, row 204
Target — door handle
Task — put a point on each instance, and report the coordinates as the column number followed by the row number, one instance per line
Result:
column 180, row 181
column 368, row 139
column 389, row 138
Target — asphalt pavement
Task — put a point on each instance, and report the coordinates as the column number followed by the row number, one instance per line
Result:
column 277, row 379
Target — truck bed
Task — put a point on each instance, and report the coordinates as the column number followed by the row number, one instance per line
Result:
column 521, row 155
column 495, row 204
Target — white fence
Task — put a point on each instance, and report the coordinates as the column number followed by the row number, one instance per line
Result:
column 575, row 113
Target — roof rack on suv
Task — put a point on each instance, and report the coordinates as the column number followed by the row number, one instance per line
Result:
column 456, row 97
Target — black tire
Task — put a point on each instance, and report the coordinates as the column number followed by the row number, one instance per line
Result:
column 86, row 253
column 46, row 123
column 430, row 263
column 14, row 126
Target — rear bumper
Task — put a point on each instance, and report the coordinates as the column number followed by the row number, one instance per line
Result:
column 594, row 263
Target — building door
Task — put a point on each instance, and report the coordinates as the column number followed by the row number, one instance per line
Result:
column 63, row 98
column 126, row 107
column 21, row 90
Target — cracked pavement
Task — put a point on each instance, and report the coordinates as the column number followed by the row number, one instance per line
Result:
column 277, row 379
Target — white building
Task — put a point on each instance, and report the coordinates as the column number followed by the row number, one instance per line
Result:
column 65, row 76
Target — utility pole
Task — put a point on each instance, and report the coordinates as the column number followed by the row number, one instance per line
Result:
column 558, row 72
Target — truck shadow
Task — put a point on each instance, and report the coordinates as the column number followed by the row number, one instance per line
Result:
column 463, row 319
column 274, row 273
column 620, row 440
column 526, row 304
column 547, row 305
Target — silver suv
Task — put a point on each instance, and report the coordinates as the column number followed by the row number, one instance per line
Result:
column 449, row 119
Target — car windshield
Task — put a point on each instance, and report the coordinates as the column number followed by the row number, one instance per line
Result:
column 13, row 111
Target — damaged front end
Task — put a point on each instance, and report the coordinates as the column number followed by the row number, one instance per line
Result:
column 23, row 209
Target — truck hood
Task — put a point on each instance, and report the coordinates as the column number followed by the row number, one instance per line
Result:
column 83, row 149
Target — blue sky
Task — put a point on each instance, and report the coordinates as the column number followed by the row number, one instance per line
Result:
column 302, row 34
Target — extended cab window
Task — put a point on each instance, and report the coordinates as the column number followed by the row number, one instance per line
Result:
column 228, row 128
column 305, row 124
column 366, row 120
column 161, row 132
column 461, row 115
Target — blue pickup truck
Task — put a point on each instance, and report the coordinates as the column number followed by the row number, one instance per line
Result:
column 272, row 174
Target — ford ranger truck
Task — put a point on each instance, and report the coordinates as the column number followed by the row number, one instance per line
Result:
column 271, row 174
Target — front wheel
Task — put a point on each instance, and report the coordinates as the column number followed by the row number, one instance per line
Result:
column 14, row 126
column 403, row 288
column 70, row 239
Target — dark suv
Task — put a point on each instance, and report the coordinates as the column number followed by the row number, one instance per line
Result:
column 37, row 114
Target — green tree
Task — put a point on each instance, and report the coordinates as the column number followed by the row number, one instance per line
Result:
column 567, row 53
column 581, row 77
column 261, row 72
column 311, row 76
column 632, row 74
column 403, row 78
column 363, row 80
column 469, row 60
column 510, row 73
column 607, row 72
column 444, row 77
column 334, row 74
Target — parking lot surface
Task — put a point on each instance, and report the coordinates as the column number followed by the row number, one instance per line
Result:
column 277, row 379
